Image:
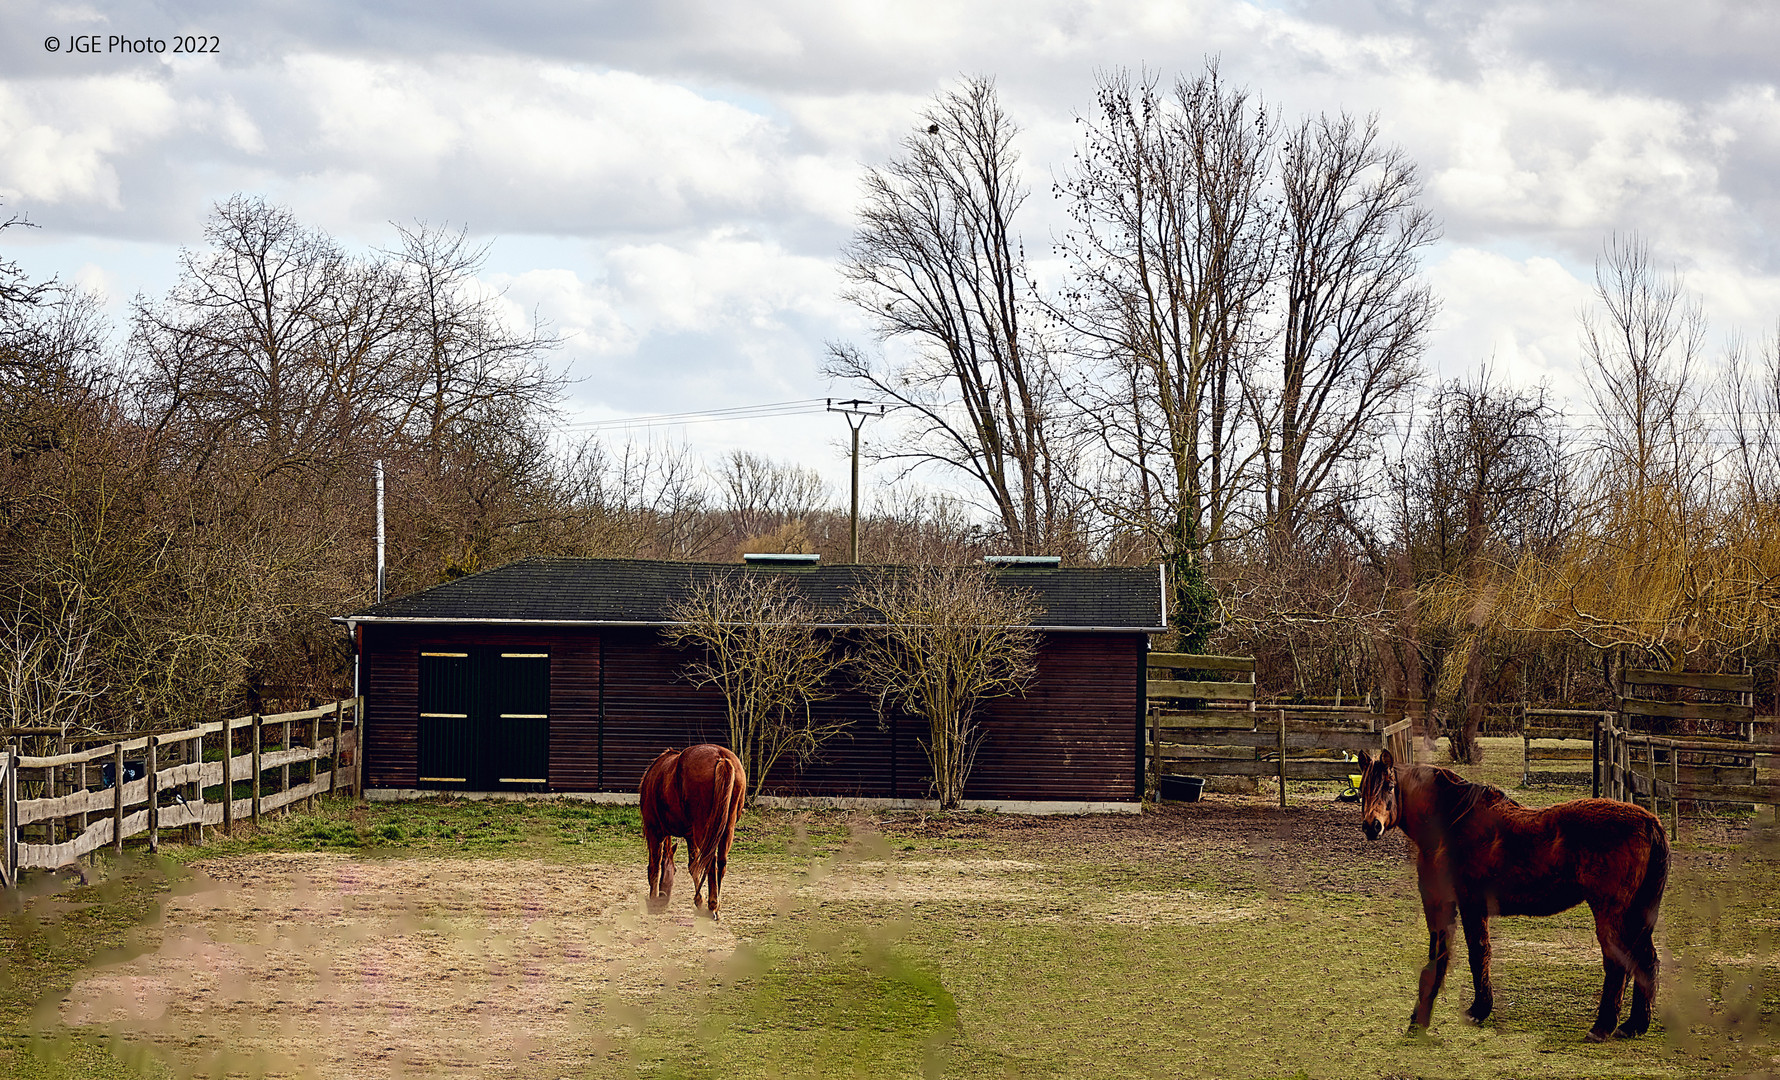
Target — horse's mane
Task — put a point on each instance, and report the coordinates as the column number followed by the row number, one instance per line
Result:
column 1457, row 796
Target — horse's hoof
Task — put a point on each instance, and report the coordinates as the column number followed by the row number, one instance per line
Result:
column 1627, row 1031
column 1595, row 1037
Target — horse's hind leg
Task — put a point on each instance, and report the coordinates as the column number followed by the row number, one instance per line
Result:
column 1641, row 942
column 720, row 863
column 1477, row 950
column 1615, row 959
column 661, row 872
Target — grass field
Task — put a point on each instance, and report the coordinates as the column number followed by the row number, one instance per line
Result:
column 1226, row 938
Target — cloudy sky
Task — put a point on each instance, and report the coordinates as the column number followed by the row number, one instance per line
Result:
column 668, row 184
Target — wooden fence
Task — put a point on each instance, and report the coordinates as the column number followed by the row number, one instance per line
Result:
column 1691, row 748
column 1212, row 727
column 60, row 807
column 1561, row 735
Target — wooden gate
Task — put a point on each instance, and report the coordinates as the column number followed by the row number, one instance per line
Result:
column 1212, row 727
column 1561, row 735
column 1670, row 741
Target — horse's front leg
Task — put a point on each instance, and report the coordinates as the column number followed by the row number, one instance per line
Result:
column 1440, row 913
column 1477, row 949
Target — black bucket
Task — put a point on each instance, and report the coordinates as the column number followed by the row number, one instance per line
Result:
column 1182, row 788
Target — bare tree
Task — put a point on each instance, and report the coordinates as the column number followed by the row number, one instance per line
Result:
column 1173, row 249
column 1487, row 485
column 48, row 677
column 758, row 646
column 937, row 265
column 464, row 375
column 761, row 495
column 945, row 640
column 1640, row 349
column 274, row 342
column 1750, row 400
column 1356, row 313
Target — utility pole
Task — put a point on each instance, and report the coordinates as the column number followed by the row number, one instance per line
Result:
column 380, row 531
column 857, row 412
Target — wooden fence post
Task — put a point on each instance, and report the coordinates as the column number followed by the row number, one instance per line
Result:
column 154, row 793
column 256, row 770
column 315, row 746
column 1282, row 759
column 49, row 790
column 9, row 814
column 334, row 757
column 1674, row 793
column 117, row 798
column 195, row 790
column 1595, row 761
column 284, row 775
column 228, row 780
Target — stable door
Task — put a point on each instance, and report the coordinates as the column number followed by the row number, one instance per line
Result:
column 484, row 720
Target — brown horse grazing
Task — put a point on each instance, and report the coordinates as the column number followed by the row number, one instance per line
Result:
column 1480, row 853
column 696, row 793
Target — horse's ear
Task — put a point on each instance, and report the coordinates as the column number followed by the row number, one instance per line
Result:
column 1385, row 759
column 1365, row 761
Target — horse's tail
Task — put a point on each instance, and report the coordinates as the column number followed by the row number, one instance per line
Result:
column 1656, row 873
column 732, row 787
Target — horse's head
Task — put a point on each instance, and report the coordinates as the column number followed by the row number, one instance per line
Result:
column 1378, row 794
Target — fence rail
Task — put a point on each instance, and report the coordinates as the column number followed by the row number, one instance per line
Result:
column 1216, row 728
column 1557, row 735
column 63, row 806
column 1713, row 752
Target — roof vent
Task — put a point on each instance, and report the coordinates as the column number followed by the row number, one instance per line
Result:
column 757, row 558
column 1042, row 562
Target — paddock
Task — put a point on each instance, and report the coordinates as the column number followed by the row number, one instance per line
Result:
column 1216, row 938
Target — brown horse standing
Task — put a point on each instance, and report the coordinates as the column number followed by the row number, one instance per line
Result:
column 1480, row 853
column 696, row 793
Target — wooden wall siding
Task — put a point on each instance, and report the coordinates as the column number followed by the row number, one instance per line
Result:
column 650, row 707
column 859, row 762
column 391, row 682
column 575, row 659
column 1073, row 737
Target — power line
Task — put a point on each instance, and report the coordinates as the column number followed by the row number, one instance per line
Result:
column 707, row 416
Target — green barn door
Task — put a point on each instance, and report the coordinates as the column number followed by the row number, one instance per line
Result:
column 450, row 742
column 518, row 729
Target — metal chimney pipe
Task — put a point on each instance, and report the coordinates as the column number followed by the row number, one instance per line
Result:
column 380, row 531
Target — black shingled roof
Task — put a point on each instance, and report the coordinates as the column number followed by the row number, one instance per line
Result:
column 642, row 591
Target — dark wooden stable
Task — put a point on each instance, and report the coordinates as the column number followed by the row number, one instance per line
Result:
column 552, row 675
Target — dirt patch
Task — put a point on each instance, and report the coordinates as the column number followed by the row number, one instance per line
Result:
column 1004, row 880
column 333, row 966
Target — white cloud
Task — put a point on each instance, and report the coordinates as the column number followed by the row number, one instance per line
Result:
column 61, row 140
column 688, row 170
column 1519, row 316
